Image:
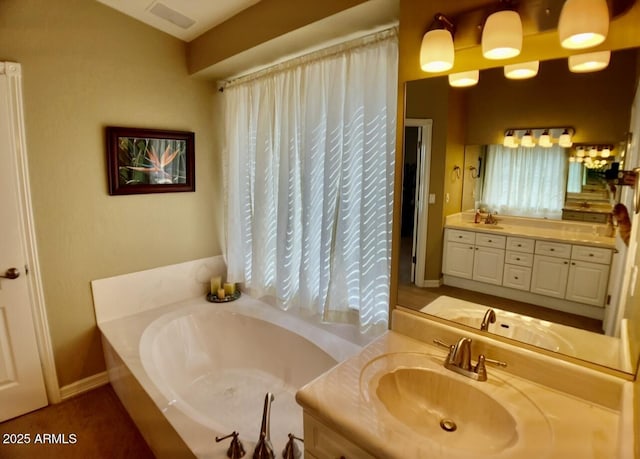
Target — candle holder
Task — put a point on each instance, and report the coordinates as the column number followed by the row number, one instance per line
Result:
column 213, row 297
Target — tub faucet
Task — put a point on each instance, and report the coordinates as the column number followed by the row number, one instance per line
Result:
column 489, row 318
column 236, row 450
column 264, row 449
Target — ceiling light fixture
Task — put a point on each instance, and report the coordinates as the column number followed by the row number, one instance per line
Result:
column 437, row 51
column 521, row 71
column 589, row 62
column 502, row 35
column 583, row 23
column 464, row 79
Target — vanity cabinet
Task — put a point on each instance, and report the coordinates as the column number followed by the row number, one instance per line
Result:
column 321, row 442
column 575, row 273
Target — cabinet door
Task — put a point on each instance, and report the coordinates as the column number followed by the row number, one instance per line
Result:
column 587, row 283
column 549, row 276
column 458, row 260
column 488, row 265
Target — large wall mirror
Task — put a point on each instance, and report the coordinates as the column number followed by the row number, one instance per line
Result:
column 460, row 125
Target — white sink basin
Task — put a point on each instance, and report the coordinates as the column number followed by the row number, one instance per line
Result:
column 449, row 411
column 454, row 413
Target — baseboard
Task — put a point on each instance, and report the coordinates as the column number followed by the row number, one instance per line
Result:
column 84, row 385
column 432, row 283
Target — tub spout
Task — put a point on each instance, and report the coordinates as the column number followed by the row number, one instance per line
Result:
column 264, row 449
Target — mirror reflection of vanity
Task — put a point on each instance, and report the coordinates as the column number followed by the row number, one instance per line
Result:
column 465, row 122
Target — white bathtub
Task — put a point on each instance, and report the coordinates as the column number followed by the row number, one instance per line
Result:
column 206, row 368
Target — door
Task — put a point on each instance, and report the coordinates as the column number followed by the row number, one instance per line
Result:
column 549, row 276
column 587, row 283
column 488, row 265
column 22, row 386
column 458, row 260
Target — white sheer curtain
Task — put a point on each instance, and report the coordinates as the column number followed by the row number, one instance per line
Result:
column 575, row 177
column 525, row 181
column 310, row 159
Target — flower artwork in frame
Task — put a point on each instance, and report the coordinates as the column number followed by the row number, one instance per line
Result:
column 150, row 161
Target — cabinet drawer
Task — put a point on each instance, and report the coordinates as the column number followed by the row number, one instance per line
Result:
column 553, row 249
column 322, row 442
column 519, row 258
column 518, row 277
column 591, row 254
column 461, row 236
column 596, row 217
column 490, row 240
column 519, row 244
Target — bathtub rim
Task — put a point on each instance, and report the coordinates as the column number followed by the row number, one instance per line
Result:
column 124, row 335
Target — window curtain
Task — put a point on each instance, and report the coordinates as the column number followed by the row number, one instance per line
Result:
column 310, row 150
column 525, row 181
column 575, row 178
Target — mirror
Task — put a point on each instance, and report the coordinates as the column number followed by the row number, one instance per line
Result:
column 464, row 122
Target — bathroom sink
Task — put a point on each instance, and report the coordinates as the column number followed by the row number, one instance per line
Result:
column 446, row 409
column 451, row 412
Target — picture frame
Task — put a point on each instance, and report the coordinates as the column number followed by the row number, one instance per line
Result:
column 141, row 161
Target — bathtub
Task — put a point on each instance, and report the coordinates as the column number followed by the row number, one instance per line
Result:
column 194, row 370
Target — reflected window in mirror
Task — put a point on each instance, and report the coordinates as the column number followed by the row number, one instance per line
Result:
column 525, row 181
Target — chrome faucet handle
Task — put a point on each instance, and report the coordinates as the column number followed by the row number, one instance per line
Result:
column 498, row 363
column 236, row 450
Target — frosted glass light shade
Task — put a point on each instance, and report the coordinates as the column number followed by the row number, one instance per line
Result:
column 545, row 139
column 580, row 152
column 593, row 152
column 583, row 23
column 521, row 71
column 579, row 160
column 436, row 51
column 589, row 62
column 527, row 140
column 464, row 79
column 510, row 140
column 565, row 139
column 606, row 152
column 502, row 35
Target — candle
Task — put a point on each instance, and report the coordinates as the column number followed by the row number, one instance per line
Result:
column 221, row 294
column 229, row 288
column 216, row 283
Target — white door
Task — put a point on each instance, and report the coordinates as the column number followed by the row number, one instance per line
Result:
column 22, row 386
column 488, row 265
column 549, row 276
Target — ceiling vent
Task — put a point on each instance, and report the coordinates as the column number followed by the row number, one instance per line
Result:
column 163, row 11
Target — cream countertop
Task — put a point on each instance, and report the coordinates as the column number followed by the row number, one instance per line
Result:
column 563, row 231
column 339, row 399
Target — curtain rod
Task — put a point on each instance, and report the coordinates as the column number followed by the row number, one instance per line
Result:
column 370, row 38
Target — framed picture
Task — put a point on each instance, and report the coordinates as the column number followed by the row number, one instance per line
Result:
column 150, row 161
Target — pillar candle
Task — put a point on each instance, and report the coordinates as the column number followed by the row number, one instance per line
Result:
column 216, row 283
column 229, row 288
column 221, row 294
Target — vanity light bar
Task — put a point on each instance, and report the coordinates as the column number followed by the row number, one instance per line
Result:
column 543, row 137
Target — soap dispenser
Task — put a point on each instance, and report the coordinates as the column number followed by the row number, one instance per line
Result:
column 476, row 219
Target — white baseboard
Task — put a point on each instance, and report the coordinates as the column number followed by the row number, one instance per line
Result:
column 84, row 385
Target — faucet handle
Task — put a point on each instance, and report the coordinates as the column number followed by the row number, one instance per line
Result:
column 236, row 450
column 480, row 369
column 291, row 450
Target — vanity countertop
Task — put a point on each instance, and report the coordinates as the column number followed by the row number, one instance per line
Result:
column 562, row 231
column 342, row 400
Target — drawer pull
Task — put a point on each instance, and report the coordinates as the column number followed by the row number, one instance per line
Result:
column 515, row 277
column 573, row 264
column 566, row 262
column 590, row 254
column 518, row 258
column 490, row 240
column 552, row 250
column 519, row 245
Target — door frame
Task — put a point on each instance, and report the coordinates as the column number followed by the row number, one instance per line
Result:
column 13, row 71
column 421, row 211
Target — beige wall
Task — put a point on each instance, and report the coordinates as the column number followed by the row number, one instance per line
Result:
column 86, row 66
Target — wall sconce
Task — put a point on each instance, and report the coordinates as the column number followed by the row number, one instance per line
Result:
column 527, row 139
column 606, row 152
column 436, row 51
column 545, row 139
column 580, row 152
column 565, row 139
column 593, row 152
column 589, row 62
column 464, row 79
column 502, row 33
column 522, row 71
column 583, row 23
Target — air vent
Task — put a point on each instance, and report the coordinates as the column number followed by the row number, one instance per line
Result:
column 174, row 17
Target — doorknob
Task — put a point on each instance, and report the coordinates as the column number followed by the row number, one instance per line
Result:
column 11, row 273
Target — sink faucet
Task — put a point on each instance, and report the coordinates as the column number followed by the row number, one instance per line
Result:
column 459, row 360
column 490, row 220
column 489, row 318
column 264, row 449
